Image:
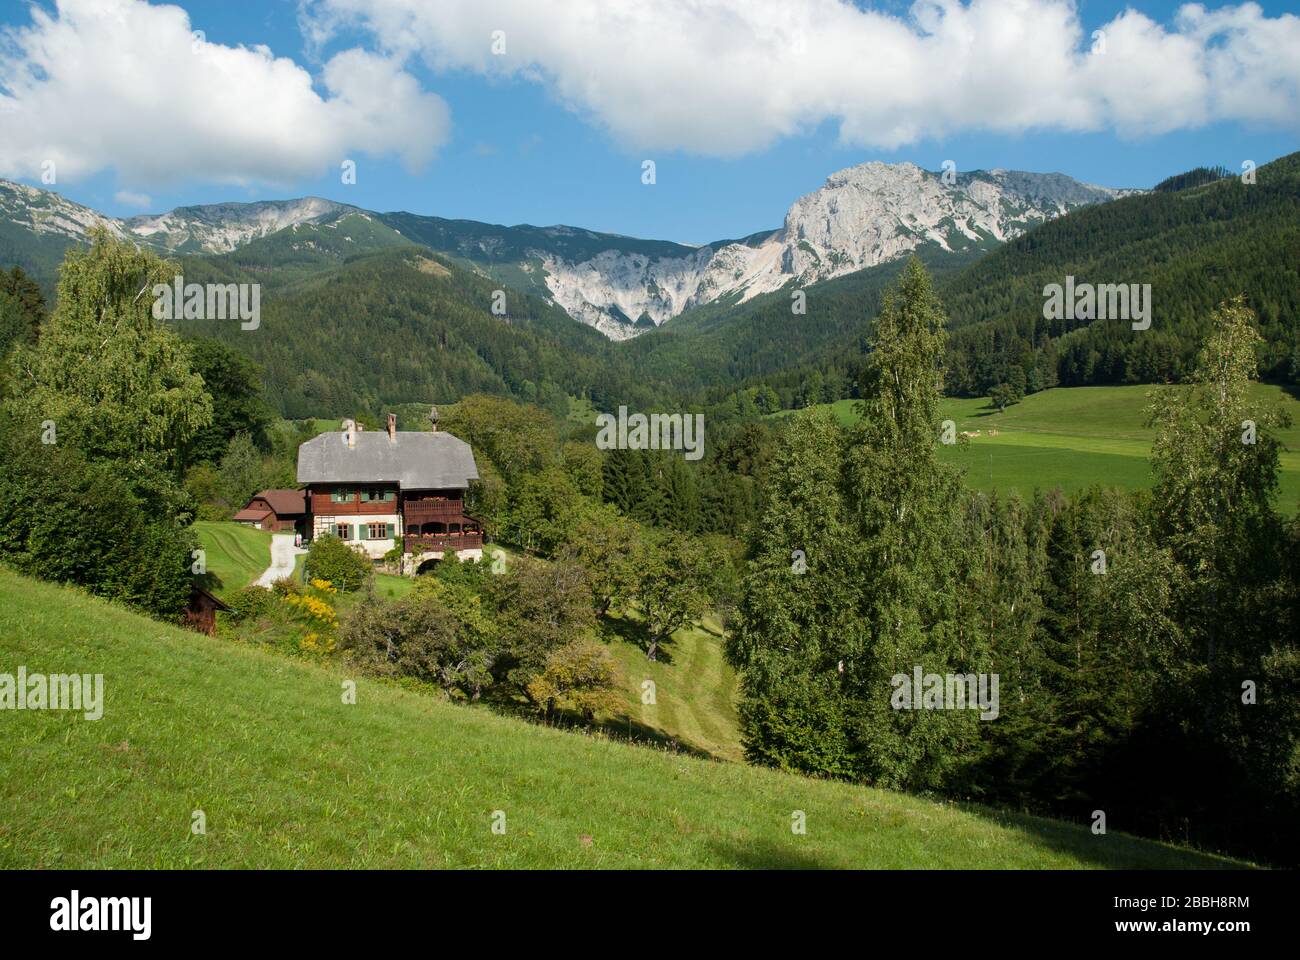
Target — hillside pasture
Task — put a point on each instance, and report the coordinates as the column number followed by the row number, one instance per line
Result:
column 287, row 775
column 1074, row 438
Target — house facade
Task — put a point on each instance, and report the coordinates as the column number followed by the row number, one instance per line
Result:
column 378, row 489
column 280, row 511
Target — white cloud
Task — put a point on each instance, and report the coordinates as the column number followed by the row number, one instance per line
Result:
column 129, row 199
column 124, row 85
column 729, row 76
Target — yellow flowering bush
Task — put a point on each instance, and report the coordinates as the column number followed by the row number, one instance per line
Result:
column 312, row 642
column 314, row 608
column 320, row 620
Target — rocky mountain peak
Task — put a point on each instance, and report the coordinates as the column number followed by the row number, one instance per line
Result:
column 861, row 216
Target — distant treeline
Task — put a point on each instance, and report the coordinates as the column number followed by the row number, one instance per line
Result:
column 1196, row 177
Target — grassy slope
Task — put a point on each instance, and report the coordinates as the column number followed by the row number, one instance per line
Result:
column 1076, row 437
column 288, row 776
column 236, row 555
column 695, row 690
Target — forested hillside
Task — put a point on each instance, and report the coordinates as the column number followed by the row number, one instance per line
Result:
column 509, row 254
column 404, row 325
column 1198, row 240
column 297, row 255
column 1196, row 247
column 720, row 345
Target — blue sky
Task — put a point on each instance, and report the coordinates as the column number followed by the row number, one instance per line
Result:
column 514, row 153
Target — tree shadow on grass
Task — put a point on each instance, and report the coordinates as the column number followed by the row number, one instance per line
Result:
column 627, row 730
column 210, row 582
column 623, row 729
column 705, row 628
column 626, row 630
column 769, row 855
column 1113, row 850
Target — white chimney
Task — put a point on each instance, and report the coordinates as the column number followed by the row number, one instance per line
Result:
column 349, row 433
column 392, row 427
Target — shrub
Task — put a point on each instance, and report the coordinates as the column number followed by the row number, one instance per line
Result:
column 417, row 637
column 285, row 586
column 331, row 559
column 295, row 619
column 579, row 677
column 476, row 575
column 393, row 558
column 1003, row 395
column 66, row 519
column 315, row 609
column 250, row 603
column 542, row 606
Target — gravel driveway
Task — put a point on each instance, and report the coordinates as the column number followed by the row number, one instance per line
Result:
column 282, row 556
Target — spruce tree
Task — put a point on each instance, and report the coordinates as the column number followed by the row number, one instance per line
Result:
column 1215, row 460
column 908, row 554
column 879, row 523
column 796, row 607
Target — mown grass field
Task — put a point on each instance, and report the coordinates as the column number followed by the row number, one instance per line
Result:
column 694, row 693
column 287, row 775
column 236, row 555
column 1075, row 437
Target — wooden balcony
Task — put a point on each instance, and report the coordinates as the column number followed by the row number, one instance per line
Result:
column 323, row 504
column 442, row 542
column 425, row 511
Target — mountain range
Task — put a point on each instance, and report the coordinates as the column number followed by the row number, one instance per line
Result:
column 863, row 216
column 362, row 311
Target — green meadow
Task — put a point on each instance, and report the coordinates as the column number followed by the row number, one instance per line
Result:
column 692, row 705
column 285, row 775
column 235, row 554
column 1075, row 437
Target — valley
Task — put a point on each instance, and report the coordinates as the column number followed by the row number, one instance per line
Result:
column 656, row 436
column 648, row 614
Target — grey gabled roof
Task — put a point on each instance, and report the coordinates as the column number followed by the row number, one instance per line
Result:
column 416, row 460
